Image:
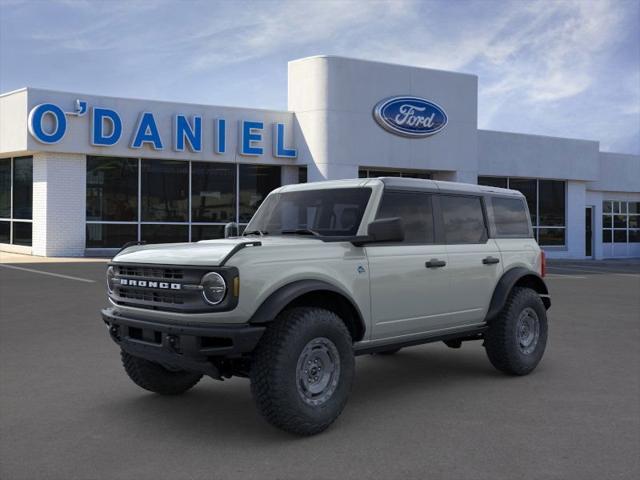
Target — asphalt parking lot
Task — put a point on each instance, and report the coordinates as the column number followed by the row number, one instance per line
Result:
column 68, row 411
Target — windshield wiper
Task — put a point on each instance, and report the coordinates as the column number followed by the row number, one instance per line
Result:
column 301, row 231
column 255, row 232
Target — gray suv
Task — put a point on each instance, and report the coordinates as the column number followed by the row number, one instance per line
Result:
column 324, row 272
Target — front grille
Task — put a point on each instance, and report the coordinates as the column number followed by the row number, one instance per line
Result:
column 167, row 288
column 151, row 296
column 150, row 272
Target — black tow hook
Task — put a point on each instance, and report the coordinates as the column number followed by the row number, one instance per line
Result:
column 173, row 343
column 114, row 331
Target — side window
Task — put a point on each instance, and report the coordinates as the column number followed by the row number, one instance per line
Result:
column 510, row 217
column 463, row 219
column 415, row 211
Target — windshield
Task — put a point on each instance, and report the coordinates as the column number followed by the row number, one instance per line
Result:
column 330, row 212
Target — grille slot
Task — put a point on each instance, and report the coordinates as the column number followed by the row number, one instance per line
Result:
column 151, row 296
column 150, row 272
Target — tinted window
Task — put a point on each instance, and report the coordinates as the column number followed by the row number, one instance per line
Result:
column 551, row 200
column 165, row 188
column 463, row 219
column 112, row 189
column 510, row 217
column 500, row 182
column 22, row 233
column 213, row 192
column 256, row 182
column 23, row 191
column 165, row 233
column 5, row 188
column 336, row 211
column 415, row 211
column 206, row 232
column 528, row 187
column 110, row 235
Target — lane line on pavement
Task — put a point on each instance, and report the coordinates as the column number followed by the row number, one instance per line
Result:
column 67, row 277
column 562, row 275
column 587, row 270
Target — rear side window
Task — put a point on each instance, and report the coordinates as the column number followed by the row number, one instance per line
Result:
column 510, row 217
column 415, row 211
column 463, row 219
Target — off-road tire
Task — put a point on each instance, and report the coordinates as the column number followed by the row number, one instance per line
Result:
column 502, row 342
column 275, row 383
column 155, row 378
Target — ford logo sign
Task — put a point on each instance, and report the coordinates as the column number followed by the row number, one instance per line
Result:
column 410, row 116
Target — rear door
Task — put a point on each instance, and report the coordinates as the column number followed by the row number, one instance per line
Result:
column 475, row 264
column 409, row 280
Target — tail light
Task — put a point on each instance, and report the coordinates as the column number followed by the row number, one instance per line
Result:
column 543, row 264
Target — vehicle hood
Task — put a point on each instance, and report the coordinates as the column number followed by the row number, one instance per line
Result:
column 206, row 253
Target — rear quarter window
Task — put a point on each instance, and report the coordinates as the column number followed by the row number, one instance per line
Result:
column 510, row 217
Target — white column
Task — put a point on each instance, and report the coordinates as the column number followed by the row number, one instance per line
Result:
column 575, row 233
column 59, row 204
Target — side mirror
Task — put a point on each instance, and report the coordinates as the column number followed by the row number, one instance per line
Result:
column 231, row 230
column 385, row 230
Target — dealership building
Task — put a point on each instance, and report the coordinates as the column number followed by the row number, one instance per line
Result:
column 84, row 174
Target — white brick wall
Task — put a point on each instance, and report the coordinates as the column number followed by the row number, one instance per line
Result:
column 59, row 204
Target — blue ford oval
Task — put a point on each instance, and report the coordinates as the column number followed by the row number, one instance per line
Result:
column 410, row 116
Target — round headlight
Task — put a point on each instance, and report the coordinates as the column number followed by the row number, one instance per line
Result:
column 214, row 288
column 111, row 273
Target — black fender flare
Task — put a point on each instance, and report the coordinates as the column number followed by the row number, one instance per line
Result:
column 286, row 294
column 517, row 275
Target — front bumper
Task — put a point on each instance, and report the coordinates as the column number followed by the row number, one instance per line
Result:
column 191, row 348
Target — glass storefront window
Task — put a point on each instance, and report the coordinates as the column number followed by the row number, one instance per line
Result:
column 206, row 232
column 5, row 188
column 213, row 192
column 155, row 233
column 500, row 182
column 5, row 231
column 256, row 181
column 22, row 187
column 110, row 235
column 551, row 203
column 22, row 233
column 546, row 202
column 112, row 189
column 551, row 236
column 365, row 172
column 130, row 199
column 16, row 200
column 165, row 187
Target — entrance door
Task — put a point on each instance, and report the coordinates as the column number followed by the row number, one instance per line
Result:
column 588, row 231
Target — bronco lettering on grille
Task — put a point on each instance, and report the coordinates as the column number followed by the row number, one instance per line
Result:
column 150, row 284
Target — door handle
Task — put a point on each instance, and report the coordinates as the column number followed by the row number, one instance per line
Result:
column 435, row 263
column 490, row 260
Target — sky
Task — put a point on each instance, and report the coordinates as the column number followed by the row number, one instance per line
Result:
column 568, row 68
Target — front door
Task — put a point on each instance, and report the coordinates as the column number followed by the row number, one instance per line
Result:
column 588, row 232
column 409, row 280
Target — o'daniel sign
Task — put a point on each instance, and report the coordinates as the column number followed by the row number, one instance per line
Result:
column 408, row 116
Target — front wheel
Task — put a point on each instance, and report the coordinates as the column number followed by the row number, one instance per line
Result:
column 517, row 338
column 156, row 378
column 302, row 370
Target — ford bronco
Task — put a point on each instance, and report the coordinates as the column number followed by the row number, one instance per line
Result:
column 324, row 272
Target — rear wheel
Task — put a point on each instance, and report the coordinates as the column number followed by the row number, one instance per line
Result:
column 517, row 338
column 302, row 370
column 156, row 378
